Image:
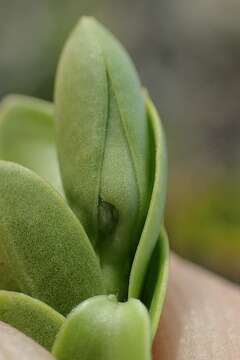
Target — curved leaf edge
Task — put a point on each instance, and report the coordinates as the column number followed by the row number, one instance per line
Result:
column 156, row 280
column 30, row 190
column 17, row 113
column 31, row 316
column 101, row 327
column 154, row 217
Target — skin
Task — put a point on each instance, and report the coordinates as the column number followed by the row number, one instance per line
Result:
column 187, row 330
column 113, row 165
column 34, row 318
column 201, row 317
column 14, row 346
column 151, row 259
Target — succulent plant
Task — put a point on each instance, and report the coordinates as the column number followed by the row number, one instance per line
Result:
column 84, row 253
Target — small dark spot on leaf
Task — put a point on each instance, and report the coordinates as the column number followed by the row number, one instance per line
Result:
column 107, row 216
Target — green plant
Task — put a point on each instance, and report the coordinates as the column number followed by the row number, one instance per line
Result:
column 94, row 243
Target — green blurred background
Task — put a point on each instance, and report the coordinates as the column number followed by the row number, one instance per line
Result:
column 188, row 55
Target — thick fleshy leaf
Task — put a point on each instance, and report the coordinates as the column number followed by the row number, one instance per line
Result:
column 201, row 317
column 27, row 136
column 30, row 316
column 47, row 250
column 14, row 346
column 151, row 230
column 101, row 328
column 156, row 279
column 104, row 146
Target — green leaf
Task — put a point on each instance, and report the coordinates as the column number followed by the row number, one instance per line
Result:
column 104, row 146
column 155, row 282
column 48, row 252
column 30, row 316
column 103, row 329
column 154, row 220
column 27, row 136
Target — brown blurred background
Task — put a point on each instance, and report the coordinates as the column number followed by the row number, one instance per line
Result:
column 188, row 55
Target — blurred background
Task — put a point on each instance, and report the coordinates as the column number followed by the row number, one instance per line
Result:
column 188, row 55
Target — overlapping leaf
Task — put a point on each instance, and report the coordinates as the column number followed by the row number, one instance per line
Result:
column 111, row 239
column 46, row 248
column 30, row 316
column 152, row 251
column 27, row 136
column 104, row 146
